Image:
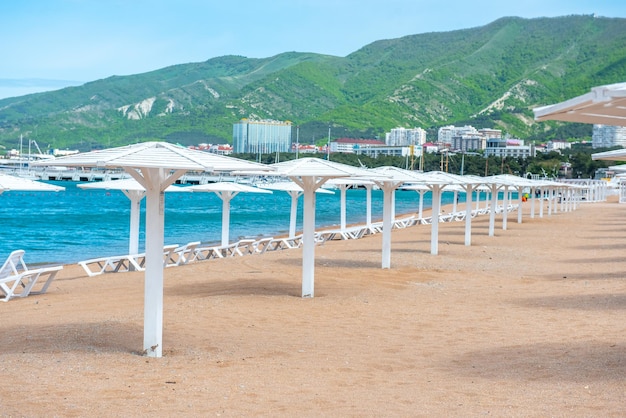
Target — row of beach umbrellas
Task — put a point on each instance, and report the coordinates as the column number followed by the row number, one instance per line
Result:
column 157, row 165
column 153, row 171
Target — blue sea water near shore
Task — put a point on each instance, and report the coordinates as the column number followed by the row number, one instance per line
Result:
column 75, row 224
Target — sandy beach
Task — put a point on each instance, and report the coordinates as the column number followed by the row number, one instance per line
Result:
column 529, row 322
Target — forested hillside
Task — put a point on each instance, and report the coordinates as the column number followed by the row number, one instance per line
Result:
column 490, row 76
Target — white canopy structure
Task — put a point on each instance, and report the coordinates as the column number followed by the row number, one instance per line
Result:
column 8, row 182
column 504, row 182
column 155, row 165
column 343, row 184
column 436, row 182
column 135, row 192
column 615, row 155
column 605, row 105
column 294, row 192
column 420, row 189
column 389, row 179
column 311, row 174
column 226, row 190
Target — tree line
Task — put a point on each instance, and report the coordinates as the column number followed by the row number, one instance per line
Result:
column 569, row 163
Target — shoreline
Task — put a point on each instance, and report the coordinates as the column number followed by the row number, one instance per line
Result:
column 77, row 224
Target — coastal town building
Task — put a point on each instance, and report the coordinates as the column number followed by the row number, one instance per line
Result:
column 557, row 145
column 430, row 147
column 351, row 145
column 404, row 136
column 605, row 136
column 466, row 138
column 261, row 137
column 306, row 148
column 468, row 142
column 220, row 149
column 372, row 148
column 386, row 150
column 504, row 148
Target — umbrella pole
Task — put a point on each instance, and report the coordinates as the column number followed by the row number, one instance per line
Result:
column 436, row 208
column 308, row 237
column 155, row 181
column 226, row 198
column 368, row 205
column 492, row 211
column 342, row 193
column 387, row 222
column 469, row 190
column 153, row 287
column 294, row 213
column 135, row 215
column 505, row 207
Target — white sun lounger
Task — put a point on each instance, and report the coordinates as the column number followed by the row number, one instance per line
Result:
column 17, row 280
column 260, row 246
column 353, row 232
column 240, row 247
column 284, row 243
column 122, row 263
column 426, row 221
column 375, row 228
column 181, row 255
column 404, row 222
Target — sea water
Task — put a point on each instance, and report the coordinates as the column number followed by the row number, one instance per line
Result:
column 76, row 224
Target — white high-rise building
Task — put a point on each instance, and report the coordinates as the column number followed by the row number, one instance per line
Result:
column 404, row 137
column 447, row 133
column 261, row 137
column 605, row 136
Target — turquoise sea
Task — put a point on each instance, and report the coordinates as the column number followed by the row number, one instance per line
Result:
column 76, row 224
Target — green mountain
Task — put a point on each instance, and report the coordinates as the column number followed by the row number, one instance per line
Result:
column 489, row 76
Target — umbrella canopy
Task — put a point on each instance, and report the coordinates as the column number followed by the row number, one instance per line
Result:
column 135, row 192
column 155, row 165
column 226, row 190
column 294, row 192
column 8, row 182
column 615, row 155
column 604, row 105
column 310, row 174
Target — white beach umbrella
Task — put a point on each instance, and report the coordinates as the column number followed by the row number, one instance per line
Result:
column 605, row 105
column 437, row 181
column 294, row 192
column 9, row 182
column 389, row 179
column 343, row 184
column 420, row 189
column 311, row 174
column 504, row 182
column 479, row 187
column 155, row 165
column 615, row 155
column 226, row 190
column 135, row 192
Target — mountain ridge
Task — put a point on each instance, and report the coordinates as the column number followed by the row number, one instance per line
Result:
column 488, row 76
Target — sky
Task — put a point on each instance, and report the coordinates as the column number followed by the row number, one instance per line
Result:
column 49, row 44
